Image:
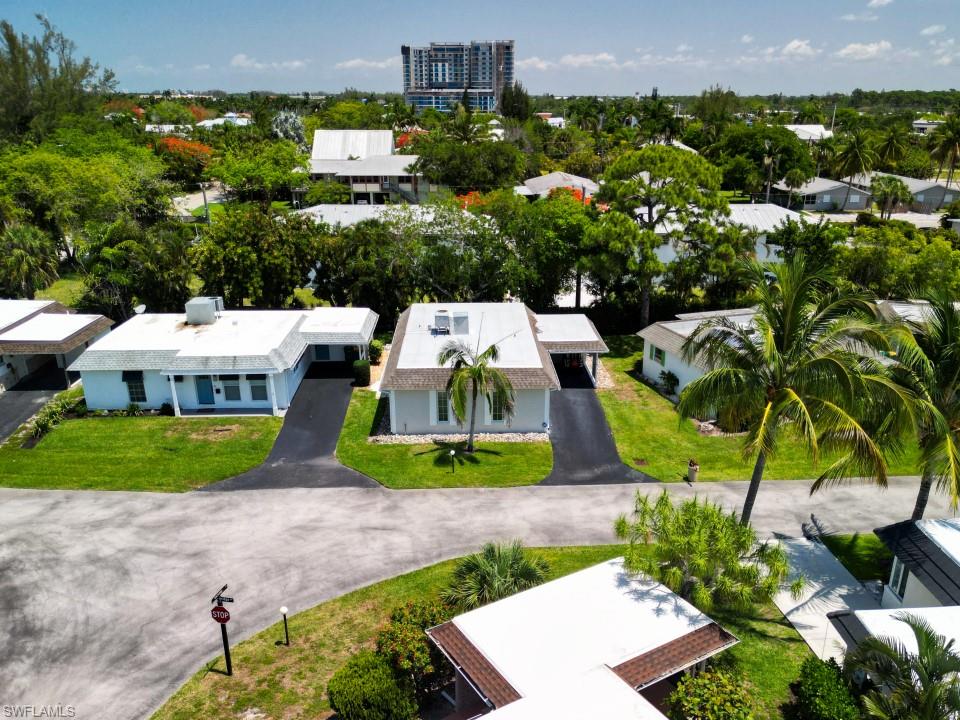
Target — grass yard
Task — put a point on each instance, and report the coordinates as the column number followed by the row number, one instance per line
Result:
column 157, row 454
column 403, row 467
column 865, row 556
column 650, row 437
column 289, row 683
column 66, row 290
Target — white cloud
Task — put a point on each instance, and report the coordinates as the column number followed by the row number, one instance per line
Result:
column 945, row 52
column 202, row 66
column 798, row 49
column 864, row 51
column 245, row 62
column 589, row 60
column 860, row 17
column 684, row 48
column 879, row 3
column 746, row 39
column 933, row 30
column 365, row 64
column 535, row 63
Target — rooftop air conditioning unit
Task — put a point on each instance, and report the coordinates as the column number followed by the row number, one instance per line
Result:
column 441, row 322
column 203, row 310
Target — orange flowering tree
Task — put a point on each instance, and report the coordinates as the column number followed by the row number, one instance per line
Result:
column 185, row 160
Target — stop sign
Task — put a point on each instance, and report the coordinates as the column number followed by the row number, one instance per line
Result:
column 220, row 614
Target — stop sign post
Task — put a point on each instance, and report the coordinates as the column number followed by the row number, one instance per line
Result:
column 222, row 616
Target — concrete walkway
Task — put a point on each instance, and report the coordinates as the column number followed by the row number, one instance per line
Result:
column 105, row 597
column 830, row 587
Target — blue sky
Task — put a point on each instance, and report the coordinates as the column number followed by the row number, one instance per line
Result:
column 563, row 46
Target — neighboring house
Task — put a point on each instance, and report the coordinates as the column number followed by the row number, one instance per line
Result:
column 826, row 195
column 543, row 185
column 364, row 160
column 855, row 626
column 555, row 122
column 346, row 215
column 810, row 133
column 926, row 127
column 229, row 118
column 529, row 347
column 915, row 311
column 663, row 345
column 926, row 563
column 211, row 359
column 599, row 643
column 168, row 129
column 928, row 195
column 36, row 333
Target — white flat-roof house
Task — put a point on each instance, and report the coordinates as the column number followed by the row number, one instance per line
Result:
column 928, row 195
column 364, row 160
column 810, row 133
column 529, row 346
column 36, row 333
column 826, row 195
column 214, row 360
column 926, row 563
column 599, row 643
column 856, row 625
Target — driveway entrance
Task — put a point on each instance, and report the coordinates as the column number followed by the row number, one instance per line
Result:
column 23, row 400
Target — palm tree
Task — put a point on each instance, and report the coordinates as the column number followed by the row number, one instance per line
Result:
column 28, row 261
column 929, row 361
column 893, row 145
column 474, row 375
column 462, row 127
column 888, row 192
column 946, row 146
column 794, row 180
column 921, row 685
column 797, row 363
column 856, row 156
column 496, row 572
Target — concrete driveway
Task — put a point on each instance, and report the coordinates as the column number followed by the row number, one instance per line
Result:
column 105, row 597
column 23, row 400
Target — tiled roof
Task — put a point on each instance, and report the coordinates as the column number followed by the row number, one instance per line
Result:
column 471, row 662
column 674, row 656
column 933, row 567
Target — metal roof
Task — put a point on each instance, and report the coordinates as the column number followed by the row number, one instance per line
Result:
column 351, row 144
column 810, row 133
column 386, row 165
column 761, row 217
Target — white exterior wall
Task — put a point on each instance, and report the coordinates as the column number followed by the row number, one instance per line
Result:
column 10, row 376
column 105, row 390
column 412, row 412
column 685, row 373
column 293, row 377
column 915, row 595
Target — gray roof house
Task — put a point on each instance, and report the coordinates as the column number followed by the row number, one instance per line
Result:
column 826, row 195
column 928, row 195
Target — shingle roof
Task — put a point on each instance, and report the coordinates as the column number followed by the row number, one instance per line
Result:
column 663, row 337
column 479, row 671
column 914, row 185
column 933, row 567
column 819, row 185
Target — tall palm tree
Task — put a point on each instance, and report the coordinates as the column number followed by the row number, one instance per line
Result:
column 496, row 572
column 473, row 376
column 946, row 146
column 857, row 156
column 889, row 192
column 800, row 363
column 28, row 261
column 893, row 144
column 921, row 685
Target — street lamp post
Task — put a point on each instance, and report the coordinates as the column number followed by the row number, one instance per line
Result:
column 286, row 631
column 453, row 462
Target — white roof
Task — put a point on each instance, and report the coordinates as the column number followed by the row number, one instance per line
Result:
column 255, row 340
column 15, row 311
column 49, row 327
column 558, row 640
column 327, row 167
column 816, row 186
column 506, row 324
column 887, row 624
column 379, row 165
column 761, row 217
column 346, row 215
column 545, row 183
column 945, row 533
column 347, row 144
column 810, row 132
column 566, row 328
column 907, row 310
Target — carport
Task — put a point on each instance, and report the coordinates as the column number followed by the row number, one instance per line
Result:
column 574, row 345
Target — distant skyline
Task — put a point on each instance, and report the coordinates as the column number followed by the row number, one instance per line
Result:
column 563, row 47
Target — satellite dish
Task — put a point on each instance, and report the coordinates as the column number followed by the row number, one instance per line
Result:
column 140, row 309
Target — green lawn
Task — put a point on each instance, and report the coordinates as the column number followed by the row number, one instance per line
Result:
column 493, row 464
column 66, row 290
column 219, row 208
column 651, row 438
column 290, row 682
column 865, row 556
column 157, row 454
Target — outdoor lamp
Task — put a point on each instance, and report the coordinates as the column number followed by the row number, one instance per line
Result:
column 453, row 464
column 286, row 631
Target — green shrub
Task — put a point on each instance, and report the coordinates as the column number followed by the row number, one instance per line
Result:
column 710, row 695
column 80, row 409
column 406, row 647
column 166, row 409
column 361, row 373
column 48, row 418
column 376, row 351
column 366, row 688
column 822, row 693
column 133, row 410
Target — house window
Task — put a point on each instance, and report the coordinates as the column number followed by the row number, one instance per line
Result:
column 231, row 387
column 898, row 578
column 948, row 198
column 498, row 407
column 826, row 199
column 658, row 355
column 854, row 198
column 443, row 406
column 258, row 387
column 919, row 198
column 135, row 388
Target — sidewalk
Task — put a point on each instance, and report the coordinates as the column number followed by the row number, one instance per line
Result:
column 830, row 587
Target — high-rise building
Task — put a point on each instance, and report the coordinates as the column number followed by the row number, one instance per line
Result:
column 437, row 76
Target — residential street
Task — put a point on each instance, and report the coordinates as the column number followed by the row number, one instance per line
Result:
column 105, row 597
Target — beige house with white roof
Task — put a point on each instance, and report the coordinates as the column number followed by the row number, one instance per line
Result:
column 214, row 360
column 532, row 347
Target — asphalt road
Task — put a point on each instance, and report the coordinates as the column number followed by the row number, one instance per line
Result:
column 23, row 400
column 105, row 597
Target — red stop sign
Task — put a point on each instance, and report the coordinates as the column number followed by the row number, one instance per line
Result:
column 220, row 614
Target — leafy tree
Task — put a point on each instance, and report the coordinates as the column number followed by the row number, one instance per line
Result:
column 41, row 80
column 618, row 256
column 772, row 152
column 288, row 125
column 467, row 166
column 702, row 553
column 669, row 191
column 822, row 692
column 889, row 192
column 810, row 113
column 28, row 261
column 710, row 695
column 817, row 242
column 366, row 688
column 247, row 254
column 404, row 643
column 351, row 114
column 857, row 156
column 170, row 112
column 515, row 102
column 921, row 685
column 715, row 109
column 796, row 367
column 327, row 192
column 660, row 121
column 474, row 375
column 260, row 172
column 496, row 572
column 185, row 160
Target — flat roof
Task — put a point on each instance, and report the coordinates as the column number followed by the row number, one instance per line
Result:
column 49, row 327
column 15, row 311
column 506, row 324
column 569, row 333
column 888, row 624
